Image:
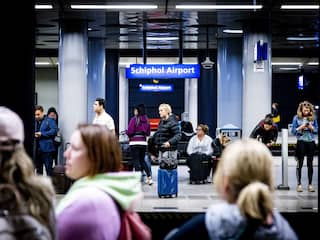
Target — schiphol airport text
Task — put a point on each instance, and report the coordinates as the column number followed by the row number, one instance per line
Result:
column 162, row 70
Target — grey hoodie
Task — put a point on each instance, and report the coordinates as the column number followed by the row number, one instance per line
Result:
column 224, row 221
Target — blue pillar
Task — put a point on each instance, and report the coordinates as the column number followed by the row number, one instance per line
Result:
column 96, row 73
column 207, row 95
column 72, row 79
column 229, row 66
column 257, row 77
column 112, row 86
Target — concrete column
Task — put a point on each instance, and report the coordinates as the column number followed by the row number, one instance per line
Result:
column 72, row 77
column 123, row 99
column 193, row 101
column 256, row 81
column 96, row 74
column 229, row 83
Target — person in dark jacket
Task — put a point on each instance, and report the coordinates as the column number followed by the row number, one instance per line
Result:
column 265, row 131
column 45, row 131
column 52, row 113
column 168, row 135
column 138, row 130
column 218, row 145
column 186, row 131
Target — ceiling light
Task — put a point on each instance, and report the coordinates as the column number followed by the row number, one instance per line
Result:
column 89, row 29
column 47, row 6
column 114, row 7
column 313, row 63
column 232, row 31
column 222, row 7
column 302, row 38
column 288, row 69
column 162, row 38
column 286, row 63
column 300, row 7
column 42, row 63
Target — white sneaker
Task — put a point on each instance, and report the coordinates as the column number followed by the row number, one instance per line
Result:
column 150, row 182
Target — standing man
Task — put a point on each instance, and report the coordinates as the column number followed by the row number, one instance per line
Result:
column 45, row 131
column 102, row 118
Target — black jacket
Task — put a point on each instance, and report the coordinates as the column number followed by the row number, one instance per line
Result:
column 168, row 131
column 266, row 136
column 217, row 147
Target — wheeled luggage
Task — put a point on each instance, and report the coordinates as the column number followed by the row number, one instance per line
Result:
column 167, row 182
column 200, row 167
column 60, row 181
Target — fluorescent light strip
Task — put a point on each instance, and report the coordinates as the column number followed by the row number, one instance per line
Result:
column 286, row 63
column 207, row 7
column 300, row 7
column 302, row 38
column 47, row 6
column 289, row 69
column 313, row 63
column 232, row 31
column 162, row 38
column 114, row 7
column 43, row 63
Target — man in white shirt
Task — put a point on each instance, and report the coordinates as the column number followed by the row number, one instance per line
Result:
column 102, row 118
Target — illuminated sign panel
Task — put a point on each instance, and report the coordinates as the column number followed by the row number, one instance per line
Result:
column 156, row 87
column 163, row 71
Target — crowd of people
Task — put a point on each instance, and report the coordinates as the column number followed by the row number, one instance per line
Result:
column 101, row 191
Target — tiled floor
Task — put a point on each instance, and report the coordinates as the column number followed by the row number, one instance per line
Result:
column 197, row 198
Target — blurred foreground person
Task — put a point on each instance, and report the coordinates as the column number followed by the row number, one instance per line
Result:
column 26, row 200
column 91, row 208
column 244, row 180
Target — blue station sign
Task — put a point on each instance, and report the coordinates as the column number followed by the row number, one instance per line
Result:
column 163, row 71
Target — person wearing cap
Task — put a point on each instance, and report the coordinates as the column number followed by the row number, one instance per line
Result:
column 45, row 131
column 34, row 194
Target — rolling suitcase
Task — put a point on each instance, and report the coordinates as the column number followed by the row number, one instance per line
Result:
column 60, row 181
column 200, row 167
column 167, row 183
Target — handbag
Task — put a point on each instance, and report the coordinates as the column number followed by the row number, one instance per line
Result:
column 132, row 227
column 57, row 139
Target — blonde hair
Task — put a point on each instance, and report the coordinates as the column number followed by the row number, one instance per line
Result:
column 224, row 139
column 307, row 105
column 37, row 193
column 247, row 164
column 167, row 107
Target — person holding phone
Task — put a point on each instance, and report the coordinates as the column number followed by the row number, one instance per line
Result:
column 304, row 126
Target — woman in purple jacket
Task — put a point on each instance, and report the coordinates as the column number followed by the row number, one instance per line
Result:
column 138, row 130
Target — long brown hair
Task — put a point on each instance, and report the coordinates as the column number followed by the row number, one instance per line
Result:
column 37, row 193
column 103, row 148
column 305, row 104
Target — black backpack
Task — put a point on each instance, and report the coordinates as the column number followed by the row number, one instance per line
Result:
column 16, row 224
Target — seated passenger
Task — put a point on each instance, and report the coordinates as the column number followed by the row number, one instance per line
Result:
column 90, row 209
column 201, row 142
column 26, row 200
column 219, row 143
column 265, row 131
column 244, row 179
column 186, row 131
